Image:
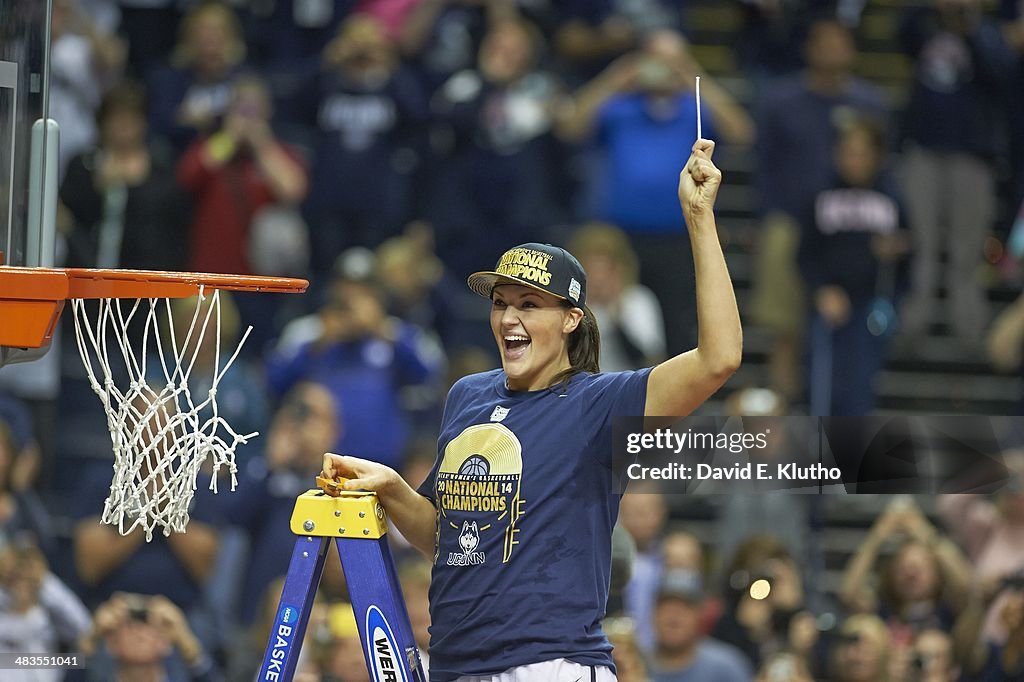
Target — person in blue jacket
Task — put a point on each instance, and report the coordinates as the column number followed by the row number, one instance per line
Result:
column 517, row 512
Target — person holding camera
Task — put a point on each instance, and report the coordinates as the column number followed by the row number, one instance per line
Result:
column 370, row 361
column 924, row 584
column 232, row 174
column 147, row 639
column 641, row 112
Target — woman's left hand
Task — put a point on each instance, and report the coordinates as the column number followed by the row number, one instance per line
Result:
column 699, row 181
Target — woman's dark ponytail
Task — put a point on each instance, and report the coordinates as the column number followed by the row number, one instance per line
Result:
column 584, row 348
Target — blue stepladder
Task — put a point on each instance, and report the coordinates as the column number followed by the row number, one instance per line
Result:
column 356, row 521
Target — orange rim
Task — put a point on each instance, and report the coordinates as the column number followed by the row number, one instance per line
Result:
column 31, row 299
column 99, row 283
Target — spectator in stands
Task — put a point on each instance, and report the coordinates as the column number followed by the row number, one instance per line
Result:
column 85, row 61
column 493, row 184
column 419, row 287
column 681, row 651
column 442, row 37
column 924, row 584
column 306, row 425
column 366, row 358
column 177, row 566
column 861, row 652
column 642, row 112
column 991, row 531
column 590, row 34
column 23, row 517
column 765, row 606
column 797, row 133
column 38, row 613
column 627, row 312
column 643, row 512
column 233, row 173
column 148, row 638
column 123, row 203
column 680, row 549
column 677, row 550
column 962, row 68
column 627, row 654
column 368, row 110
column 189, row 96
column 852, row 243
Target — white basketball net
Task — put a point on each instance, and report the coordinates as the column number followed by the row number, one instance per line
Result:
column 160, row 439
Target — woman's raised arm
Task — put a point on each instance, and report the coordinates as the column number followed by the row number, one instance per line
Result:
column 680, row 384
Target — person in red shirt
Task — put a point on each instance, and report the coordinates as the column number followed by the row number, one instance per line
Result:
column 233, row 174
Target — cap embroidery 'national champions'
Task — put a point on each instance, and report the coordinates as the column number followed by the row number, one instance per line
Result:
column 540, row 266
column 523, row 263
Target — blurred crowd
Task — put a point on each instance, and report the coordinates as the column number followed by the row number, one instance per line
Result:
column 385, row 149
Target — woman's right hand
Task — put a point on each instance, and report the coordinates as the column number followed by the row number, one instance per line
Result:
column 362, row 474
column 699, row 181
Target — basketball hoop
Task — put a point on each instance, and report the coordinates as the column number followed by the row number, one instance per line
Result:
column 160, row 432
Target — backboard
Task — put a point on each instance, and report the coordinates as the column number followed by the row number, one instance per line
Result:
column 24, row 154
column 28, row 145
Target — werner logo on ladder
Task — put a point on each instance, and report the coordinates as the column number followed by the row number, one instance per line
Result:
column 383, row 648
column 357, row 523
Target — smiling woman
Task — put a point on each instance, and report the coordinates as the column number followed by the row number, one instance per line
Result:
column 518, row 509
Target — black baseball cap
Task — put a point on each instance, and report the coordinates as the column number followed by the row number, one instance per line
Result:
column 544, row 267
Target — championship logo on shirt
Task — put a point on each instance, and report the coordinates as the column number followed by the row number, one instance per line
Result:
column 478, row 486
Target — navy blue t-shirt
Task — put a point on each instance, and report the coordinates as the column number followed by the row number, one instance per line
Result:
column 837, row 230
column 523, row 488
